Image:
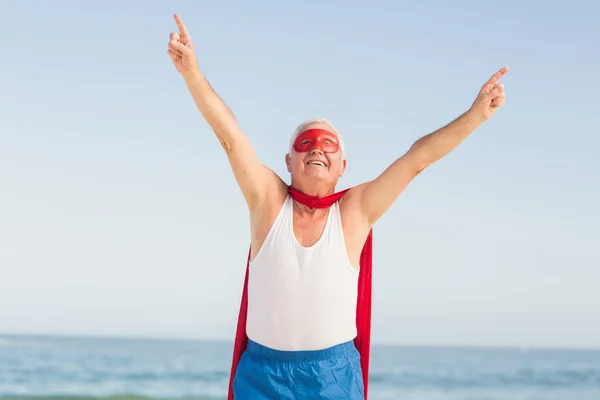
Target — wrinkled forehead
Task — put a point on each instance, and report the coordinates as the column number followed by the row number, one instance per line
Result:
column 318, row 126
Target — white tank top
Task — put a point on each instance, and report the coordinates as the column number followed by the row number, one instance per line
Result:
column 302, row 298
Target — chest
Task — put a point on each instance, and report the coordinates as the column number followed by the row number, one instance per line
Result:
column 308, row 231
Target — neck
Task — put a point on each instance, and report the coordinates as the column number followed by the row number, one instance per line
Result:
column 305, row 203
column 307, row 212
column 312, row 189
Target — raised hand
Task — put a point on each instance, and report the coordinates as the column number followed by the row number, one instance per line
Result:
column 491, row 96
column 181, row 49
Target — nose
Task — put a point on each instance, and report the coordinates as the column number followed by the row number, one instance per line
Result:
column 316, row 151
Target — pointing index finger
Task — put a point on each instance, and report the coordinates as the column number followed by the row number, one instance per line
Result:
column 181, row 26
column 496, row 77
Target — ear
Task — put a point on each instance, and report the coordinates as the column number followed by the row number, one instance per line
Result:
column 288, row 162
column 343, row 167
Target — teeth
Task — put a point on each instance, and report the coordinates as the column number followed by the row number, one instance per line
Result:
column 317, row 163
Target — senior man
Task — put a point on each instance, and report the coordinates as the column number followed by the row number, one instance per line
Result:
column 304, row 323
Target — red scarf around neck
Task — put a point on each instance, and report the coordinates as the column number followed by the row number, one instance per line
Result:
column 363, row 305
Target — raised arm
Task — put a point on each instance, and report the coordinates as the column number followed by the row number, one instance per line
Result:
column 255, row 180
column 377, row 196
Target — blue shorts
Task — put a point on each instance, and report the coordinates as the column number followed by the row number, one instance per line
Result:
column 332, row 373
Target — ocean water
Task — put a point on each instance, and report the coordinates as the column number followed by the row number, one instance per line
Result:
column 44, row 367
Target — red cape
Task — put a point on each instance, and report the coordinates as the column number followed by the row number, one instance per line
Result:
column 363, row 305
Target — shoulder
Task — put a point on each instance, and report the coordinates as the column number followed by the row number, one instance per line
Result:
column 276, row 193
column 350, row 205
column 272, row 200
column 264, row 212
column 350, row 201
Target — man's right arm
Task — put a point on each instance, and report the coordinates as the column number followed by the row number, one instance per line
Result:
column 256, row 181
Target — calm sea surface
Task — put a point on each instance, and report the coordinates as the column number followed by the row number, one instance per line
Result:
column 41, row 367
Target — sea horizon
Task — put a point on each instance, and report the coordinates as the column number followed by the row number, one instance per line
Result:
column 223, row 341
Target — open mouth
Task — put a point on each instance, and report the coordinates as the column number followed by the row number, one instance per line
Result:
column 316, row 162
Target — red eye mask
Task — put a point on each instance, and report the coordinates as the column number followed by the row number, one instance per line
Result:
column 316, row 138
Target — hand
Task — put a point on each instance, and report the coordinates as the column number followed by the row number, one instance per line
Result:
column 181, row 50
column 491, row 96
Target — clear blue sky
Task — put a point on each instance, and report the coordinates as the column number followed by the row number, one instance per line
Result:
column 119, row 214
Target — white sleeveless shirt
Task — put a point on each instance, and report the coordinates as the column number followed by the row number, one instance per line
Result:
column 302, row 298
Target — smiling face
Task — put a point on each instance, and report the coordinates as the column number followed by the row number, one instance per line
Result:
column 316, row 157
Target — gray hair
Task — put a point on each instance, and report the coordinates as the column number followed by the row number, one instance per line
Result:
column 313, row 121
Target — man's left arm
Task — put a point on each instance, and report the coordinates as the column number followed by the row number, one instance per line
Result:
column 378, row 195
